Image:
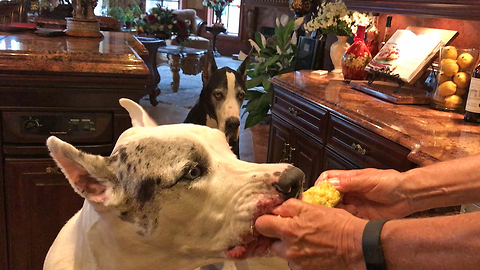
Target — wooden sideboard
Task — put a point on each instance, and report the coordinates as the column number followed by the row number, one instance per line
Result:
column 320, row 123
column 63, row 86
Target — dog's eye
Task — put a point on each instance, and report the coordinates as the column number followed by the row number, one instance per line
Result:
column 194, row 172
column 218, row 95
column 241, row 96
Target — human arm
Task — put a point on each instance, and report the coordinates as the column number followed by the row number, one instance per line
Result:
column 386, row 194
column 316, row 237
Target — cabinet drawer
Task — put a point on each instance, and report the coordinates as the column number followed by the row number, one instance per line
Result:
column 301, row 113
column 364, row 148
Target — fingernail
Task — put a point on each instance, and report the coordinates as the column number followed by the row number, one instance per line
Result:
column 334, row 181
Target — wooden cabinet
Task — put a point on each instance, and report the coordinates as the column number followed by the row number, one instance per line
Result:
column 289, row 144
column 315, row 138
column 453, row 9
column 362, row 148
column 297, row 134
column 39, row 201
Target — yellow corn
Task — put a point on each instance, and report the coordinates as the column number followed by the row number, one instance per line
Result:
column 322, row 194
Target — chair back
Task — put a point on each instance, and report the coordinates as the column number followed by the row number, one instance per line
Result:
column 188, row 15
column 12, row 11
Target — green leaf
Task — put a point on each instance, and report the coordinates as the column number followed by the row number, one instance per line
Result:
column 254, row 82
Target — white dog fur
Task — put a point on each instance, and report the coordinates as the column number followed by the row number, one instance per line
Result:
column 168, row 197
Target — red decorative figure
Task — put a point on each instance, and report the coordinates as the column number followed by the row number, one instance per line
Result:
column 356, row 57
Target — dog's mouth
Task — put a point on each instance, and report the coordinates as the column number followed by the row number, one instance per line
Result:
column 254, row 244
column 232, row 134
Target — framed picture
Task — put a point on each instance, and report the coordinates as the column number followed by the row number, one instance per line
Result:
column 309, row 53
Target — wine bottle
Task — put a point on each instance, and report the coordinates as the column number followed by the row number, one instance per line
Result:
column 472, row 106
column 387, row 33
column 372, row 37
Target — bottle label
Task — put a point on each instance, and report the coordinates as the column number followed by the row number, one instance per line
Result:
column 473, row 99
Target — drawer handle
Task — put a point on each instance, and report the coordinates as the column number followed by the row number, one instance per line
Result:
column 357, row 147
column 53, row 170
column 293, row 111
column 285, row 157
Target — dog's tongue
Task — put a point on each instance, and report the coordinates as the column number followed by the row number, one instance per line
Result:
column 238, row 252
column 260, row 247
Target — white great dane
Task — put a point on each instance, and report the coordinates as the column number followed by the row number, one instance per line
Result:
column 168, row 197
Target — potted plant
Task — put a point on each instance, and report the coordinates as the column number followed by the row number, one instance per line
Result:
column 272, row 56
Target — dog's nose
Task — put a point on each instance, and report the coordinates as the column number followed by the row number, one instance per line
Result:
column 290, row 183
column 232, row 123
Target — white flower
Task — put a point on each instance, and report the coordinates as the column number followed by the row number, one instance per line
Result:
column 278, row 50
column 298, row 22
column 254, row 44
column 334, row 17
column 264, row 40
column 284, row 19
column 293, row 41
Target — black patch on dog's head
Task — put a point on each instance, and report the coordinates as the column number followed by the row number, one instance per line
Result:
column 146, row 192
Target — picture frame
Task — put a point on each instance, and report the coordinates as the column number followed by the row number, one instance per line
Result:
column 310, row 53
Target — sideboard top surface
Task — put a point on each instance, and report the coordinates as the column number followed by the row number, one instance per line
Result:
column 431, row 135
column 115, row 53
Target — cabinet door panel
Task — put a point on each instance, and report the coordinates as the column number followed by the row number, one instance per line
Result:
column 308, row 156
column 279, row 142
column 336, row 162
column 38, row 204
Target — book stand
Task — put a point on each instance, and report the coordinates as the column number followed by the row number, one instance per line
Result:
column 386, row 75
column 385, row 85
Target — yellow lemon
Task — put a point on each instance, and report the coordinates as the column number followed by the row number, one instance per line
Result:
column 441, row 77
column 449, row 67
column 447, row 88
column 465, row 60
column 449, row 52
column 453, row 101
column 461, row 91
column 461, row 79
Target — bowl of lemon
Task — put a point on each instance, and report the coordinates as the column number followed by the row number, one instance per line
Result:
column 453, row 78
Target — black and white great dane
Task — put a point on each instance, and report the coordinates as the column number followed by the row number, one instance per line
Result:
column 168, row 197
column 220, row 100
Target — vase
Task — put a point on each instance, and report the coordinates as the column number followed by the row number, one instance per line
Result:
column 337, row 50
column 356, row 57
column 218, row 16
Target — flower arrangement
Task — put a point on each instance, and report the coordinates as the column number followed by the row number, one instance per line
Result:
column 163, row 23
column 335, row 18
column 217, row 5
column 273, row 56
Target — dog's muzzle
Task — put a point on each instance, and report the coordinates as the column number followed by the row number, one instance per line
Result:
column 290, row 183
column 231, row 127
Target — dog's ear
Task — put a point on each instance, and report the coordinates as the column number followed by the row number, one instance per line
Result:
column 139, row 116
column 88, row 174
column 242, row 69
column 210, row 66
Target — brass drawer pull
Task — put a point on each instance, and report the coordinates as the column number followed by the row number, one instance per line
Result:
column 357, row 147
column 55, row 170
column 293, row 111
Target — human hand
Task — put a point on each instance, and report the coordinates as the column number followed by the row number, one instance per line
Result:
column 314, row 237
column 370, row 193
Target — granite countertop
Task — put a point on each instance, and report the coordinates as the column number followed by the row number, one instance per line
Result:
column 431, row 135
column 115, row 53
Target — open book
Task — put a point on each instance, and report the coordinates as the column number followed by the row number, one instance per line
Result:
column 406, row 54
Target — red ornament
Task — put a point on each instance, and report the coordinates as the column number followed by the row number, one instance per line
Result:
column 356, row 57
